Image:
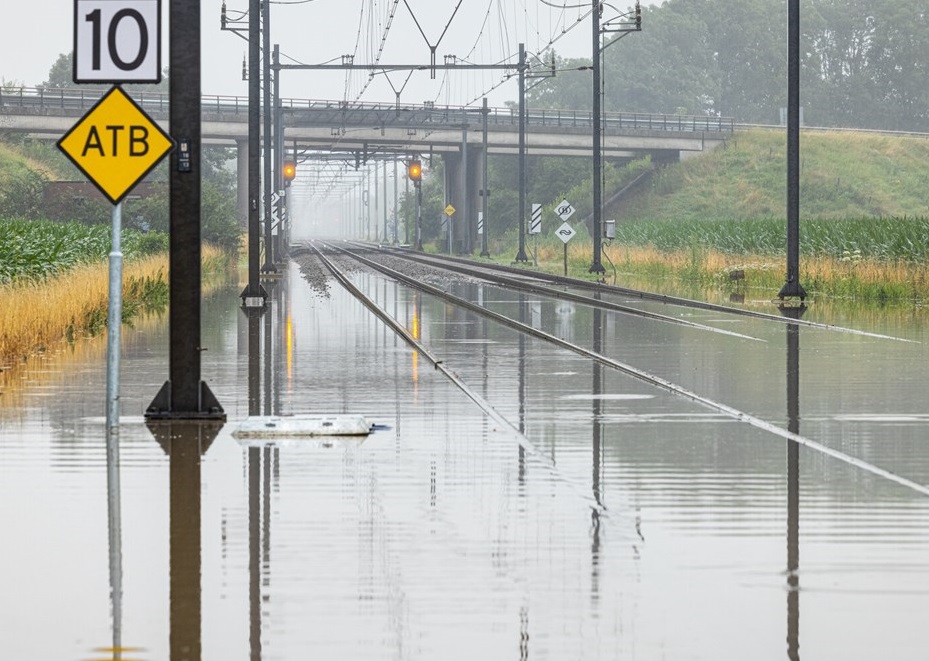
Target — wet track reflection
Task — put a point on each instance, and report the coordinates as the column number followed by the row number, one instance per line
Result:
column 596, row 517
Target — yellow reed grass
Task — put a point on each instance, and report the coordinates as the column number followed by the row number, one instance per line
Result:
column 35, row 316
column 853, row 278
column 34, row 323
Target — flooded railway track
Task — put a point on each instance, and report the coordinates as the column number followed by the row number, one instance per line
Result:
column 641, row 375
column 545, row 283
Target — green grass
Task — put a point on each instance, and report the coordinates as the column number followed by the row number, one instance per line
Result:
column 843, row 175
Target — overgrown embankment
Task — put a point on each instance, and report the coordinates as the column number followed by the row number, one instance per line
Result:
column 864, row 227
column 844, row 174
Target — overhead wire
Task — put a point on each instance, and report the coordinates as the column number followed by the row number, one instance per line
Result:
column 348, row 72
column 555, row 38
column 374, row 28
column 380, row 51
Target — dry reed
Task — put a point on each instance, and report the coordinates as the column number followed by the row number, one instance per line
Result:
column 34, row 316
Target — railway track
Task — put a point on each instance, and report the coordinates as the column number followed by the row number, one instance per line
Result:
column 517, row 277
column 641, row 375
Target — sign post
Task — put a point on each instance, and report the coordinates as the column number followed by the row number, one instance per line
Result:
column 449, row 212
column 566, row 233
column 115, row 145
column 133, row 145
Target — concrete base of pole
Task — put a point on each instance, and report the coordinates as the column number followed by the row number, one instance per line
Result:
column 160, row 408
column 792, row 289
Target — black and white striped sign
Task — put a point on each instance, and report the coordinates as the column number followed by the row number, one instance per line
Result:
column 535, row 224
column 480, row 222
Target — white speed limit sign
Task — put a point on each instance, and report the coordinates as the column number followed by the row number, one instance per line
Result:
column 117, row 41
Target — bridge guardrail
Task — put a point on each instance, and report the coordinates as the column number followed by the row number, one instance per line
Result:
column 336, row 113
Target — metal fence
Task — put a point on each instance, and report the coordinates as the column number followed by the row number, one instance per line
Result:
column 342, row 113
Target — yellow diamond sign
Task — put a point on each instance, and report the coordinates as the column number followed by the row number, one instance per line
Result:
column 449, row 210
column 115, row 144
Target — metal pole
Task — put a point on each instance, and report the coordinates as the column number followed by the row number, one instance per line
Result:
column 596, row 266
column 267, row 141
column 406, row 225
column 114, row 518
column 465, row 245
column 184, row 395
column 114, row 323
column 521, row 253
column 385, row 202
column 419, row 216
column 278, row 130
column 792, row 287
column 396, row 205
column 485, row 192
column 254, row 294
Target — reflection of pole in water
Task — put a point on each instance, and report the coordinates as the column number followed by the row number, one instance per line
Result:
column 185, row 443
column 279, row 354
column 254, row 361
column 522, row 389
column 114, row 528
column 185, row 551
column 597, row 405
column 793, row 483
column 268, row 338
column 268, row 456
column 415, row 332
column 597, row 458
column 594, row 558
column 254, row 553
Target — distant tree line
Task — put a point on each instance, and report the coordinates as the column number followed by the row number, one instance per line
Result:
column 61, row 75
column 865, row 63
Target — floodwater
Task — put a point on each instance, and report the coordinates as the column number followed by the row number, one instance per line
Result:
column 609, row 520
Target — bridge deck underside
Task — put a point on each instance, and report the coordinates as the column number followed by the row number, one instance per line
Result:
column 563, row 140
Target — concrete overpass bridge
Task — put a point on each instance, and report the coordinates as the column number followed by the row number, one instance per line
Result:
column 454, row 133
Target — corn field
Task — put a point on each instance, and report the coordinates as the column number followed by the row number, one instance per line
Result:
column 883, row 239
column 37, row 249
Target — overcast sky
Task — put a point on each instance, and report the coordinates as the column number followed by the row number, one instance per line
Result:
column 317, row 31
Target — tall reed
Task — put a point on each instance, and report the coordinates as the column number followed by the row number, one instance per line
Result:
column 34, row 315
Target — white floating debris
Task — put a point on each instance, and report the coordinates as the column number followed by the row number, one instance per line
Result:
column 296, row 426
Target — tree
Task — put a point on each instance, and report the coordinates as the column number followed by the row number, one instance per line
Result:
column 666, row 68
column 61, row 75
column 864, row 63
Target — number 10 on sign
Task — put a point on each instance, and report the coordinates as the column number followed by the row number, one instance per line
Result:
column 117, row 41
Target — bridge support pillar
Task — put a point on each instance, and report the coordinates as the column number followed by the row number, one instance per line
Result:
column 454, row 195
column 462, row 191
column 241, row 161
column 473, row 191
